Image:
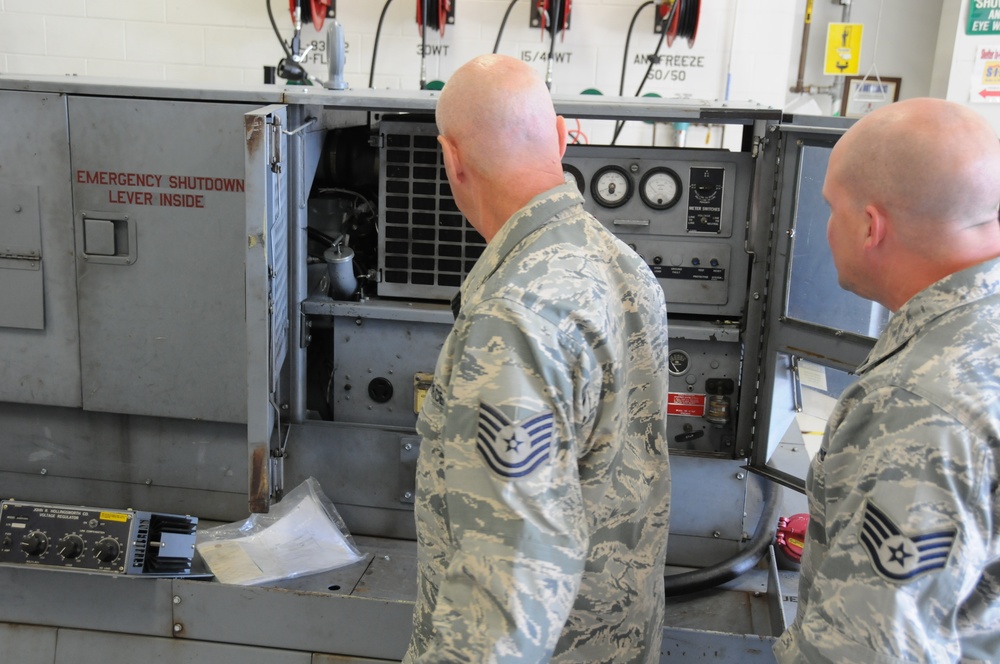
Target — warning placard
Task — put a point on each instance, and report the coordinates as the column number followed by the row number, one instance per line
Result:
column 843, row 49
column 686, row 405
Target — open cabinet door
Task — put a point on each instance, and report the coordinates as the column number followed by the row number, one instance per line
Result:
column 816, row 333
column 266, row 288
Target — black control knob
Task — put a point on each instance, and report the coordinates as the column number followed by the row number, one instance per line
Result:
column 70, row 546
column 107, row 550
column 35, row 543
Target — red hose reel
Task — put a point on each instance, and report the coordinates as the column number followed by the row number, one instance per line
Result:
column 313, row 11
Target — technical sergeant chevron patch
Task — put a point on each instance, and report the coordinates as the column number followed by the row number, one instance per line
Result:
column 513, row 449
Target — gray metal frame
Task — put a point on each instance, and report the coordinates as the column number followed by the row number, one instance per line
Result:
column 822, row 345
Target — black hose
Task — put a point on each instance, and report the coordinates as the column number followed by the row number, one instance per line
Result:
column 378, row 35
column 503, row 24
column 727, row 570
column 628, row 39
column 555, row 26
column 423, row 44
column 277, row 32
column 653, row 59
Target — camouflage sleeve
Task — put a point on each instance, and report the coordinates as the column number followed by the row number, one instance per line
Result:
column 511, row 411
column 900, row 500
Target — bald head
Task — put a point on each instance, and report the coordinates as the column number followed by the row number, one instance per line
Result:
column 499, row 112
column 913, row 190
column 501, row 139
column 932, row 164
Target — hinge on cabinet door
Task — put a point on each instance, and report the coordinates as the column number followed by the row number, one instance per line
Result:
column 275, row 129
column 277, row 474
column 796, row 384
column 305, row 331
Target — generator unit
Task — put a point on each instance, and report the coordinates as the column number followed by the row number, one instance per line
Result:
column 208, row 296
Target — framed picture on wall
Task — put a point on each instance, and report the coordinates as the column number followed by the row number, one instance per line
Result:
column 863, row 94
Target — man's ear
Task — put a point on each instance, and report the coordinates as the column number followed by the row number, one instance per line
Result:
column 878, row 226
column 452, row 161
column 561, row 130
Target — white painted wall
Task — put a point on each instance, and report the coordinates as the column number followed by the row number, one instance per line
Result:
column 745, row 50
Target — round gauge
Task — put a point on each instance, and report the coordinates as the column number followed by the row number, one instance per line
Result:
column 573, row 175
column 611, row 186
column 660, row 188
column 678, row 362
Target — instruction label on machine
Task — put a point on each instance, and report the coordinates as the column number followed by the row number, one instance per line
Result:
column 704, row 214
column 843, row 49
column 686, row 405
column 126, row 188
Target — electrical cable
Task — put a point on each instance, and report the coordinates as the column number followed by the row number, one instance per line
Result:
column 576, row 135
column 745, row 560
column 378, row 35
column 503, row 24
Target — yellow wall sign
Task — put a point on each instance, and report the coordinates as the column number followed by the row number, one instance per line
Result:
column 843, row 49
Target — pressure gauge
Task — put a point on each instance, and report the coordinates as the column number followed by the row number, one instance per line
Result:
column 678, row 362
column 573, row 175
column 660, row 188
column 611, row 186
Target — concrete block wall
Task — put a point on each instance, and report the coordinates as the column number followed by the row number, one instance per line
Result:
column 745, row 50
column 232, row 40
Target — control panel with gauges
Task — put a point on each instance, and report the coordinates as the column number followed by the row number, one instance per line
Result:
column 682, row 210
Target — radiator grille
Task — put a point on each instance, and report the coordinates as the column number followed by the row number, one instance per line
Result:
column 426, row 246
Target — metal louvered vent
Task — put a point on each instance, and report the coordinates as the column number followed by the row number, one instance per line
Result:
column 170, row 545
column 141, row 542
column 162, row 544
column 426, row 246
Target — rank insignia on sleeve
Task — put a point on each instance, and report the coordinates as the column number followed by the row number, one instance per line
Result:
column 898, row 557
column 513, row 449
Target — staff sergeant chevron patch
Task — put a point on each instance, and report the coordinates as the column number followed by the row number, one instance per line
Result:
column 898, row 557
column 513, row 449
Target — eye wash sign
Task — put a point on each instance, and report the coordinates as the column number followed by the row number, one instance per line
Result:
column 984, row 18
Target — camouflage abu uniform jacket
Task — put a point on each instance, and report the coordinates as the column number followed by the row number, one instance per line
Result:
column 902, row 558
column 543, row 483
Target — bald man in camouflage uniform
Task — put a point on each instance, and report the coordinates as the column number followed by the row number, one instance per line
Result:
column 902, row 556
column 542, row 483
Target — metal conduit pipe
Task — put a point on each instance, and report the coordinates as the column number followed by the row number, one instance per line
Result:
column 800, row 83
column 806, row 25
column 731, row 568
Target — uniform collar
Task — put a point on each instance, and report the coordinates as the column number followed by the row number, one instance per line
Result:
column 958, row 289
column 539, row 211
